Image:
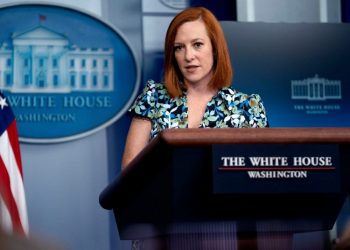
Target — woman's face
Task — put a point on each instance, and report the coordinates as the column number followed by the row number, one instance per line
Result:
column 194, row 53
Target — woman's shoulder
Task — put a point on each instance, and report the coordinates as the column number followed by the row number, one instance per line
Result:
column 154, row 89
column 153, row 92
column 251, row 106
column 151, row 84
column 146, row 102
column 232, row 95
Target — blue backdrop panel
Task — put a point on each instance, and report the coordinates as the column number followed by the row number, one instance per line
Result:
column 300, row 70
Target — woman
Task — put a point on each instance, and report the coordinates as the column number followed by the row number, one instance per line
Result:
column 196, row 92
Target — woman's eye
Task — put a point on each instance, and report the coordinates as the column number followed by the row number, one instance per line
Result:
column 178, row 47
column 198, row 44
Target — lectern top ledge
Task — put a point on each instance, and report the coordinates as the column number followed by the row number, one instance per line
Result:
column 226, row 175
column 252, row 135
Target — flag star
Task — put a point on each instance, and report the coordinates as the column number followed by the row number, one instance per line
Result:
column 3, row 102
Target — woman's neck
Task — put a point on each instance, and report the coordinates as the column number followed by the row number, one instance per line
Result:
column 199, row 89
column 197, row 101
column 201, row 92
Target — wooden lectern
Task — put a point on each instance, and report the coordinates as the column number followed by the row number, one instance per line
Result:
column 232, row 188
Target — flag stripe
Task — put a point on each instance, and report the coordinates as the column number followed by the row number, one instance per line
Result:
column 13, row 208
column 9, row 163
column 13, row 136
column 8, row 198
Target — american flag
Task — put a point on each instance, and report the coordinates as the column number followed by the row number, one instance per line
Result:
column 13, row 208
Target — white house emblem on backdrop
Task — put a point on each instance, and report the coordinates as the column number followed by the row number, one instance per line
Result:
column 316, row 89
column 65, row 73
column 43, row 60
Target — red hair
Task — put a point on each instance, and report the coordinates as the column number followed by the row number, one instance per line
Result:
column 222, row 69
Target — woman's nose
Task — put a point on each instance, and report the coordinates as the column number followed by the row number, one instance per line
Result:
column 189, row 55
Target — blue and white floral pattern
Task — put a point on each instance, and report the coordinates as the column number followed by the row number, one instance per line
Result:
column 227, row 109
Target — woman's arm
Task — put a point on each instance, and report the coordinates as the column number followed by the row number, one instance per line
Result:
column 137, row 139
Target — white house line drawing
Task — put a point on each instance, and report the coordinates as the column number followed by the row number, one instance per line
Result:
column 316, row 89
column 41, row 60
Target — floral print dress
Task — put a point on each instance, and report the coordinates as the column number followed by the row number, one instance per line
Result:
column 227, row 109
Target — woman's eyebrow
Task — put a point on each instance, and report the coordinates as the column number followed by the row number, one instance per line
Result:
column 192, row 41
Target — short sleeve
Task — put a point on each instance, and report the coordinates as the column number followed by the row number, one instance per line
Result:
column 257, row 113
column 145, row 104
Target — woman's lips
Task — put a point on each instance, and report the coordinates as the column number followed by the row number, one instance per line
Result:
column 191, row 68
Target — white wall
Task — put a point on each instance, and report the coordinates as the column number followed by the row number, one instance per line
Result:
column 62, row 183
column 296, row 11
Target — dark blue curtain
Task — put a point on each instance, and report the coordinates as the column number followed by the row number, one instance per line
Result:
column 224, row 10
column 345, row 11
